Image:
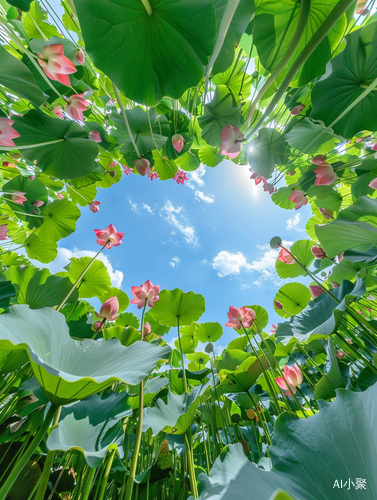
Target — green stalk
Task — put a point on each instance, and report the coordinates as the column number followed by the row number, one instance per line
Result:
column 89, row 480
column 139, row 429
column 16, row 471
column 334, row 16
column 301, row 25
column 80, row 278
column 106, row 475
column 123, row 110
column 147, row 6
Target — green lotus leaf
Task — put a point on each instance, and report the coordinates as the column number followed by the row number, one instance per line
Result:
column 351, row 72
column 294, row 297
column 261, row 316
column 188, row 344
column 11, row 361
column 244, row 377
column 231, row 359
column 275, row 27
column 355, row 228
column 7, row 291
column 199, row 358
column 41, row 250
column 69, row 370
column 38, row 288
column 151, row 388
column 18, row 78
column 306, row 136
column 128, row 319
column 267, row 151
column 322, row 315
column 177, row 415
column 302, row 250
column 308, row 456
column 149, row 55
column 60, row 147
column 156, row 327
column 175, row 307
column 218, row 113
column 332, row 379
column 96, row 278
column 90, row 426
column 141, row 122
column 208, row 332
column 22, row 5
column 59, row 221
column 209, row 156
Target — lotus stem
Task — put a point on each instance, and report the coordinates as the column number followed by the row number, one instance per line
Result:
column 106, row 475
column 139, row 429
column 123, row 110
column 79, row 278
column 147, row 6
column 16, row 471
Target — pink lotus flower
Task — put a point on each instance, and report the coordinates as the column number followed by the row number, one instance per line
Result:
column 273, row 330
column 318, row 160
column 258, row 178
column 7, row 132
column 58, row 112
column 109, row 237
column 153, row 175
column 55, row 64
column 31, row 177
column 147, row 329
column 109, row 309
column 340, row 354
column 297, row 109
column 38, row 203
column 76, row 105
column 3, row 232
column 112, row 164
column 178, row 142
column 374, row 147
column 98, row 325
column 268, row 187
column 292, row 376
column 94, row 206
column 286, row 257
column 360, row 9
column 142, row 165
column 180, row 177
column 299, row 198
column 292, row 172
column 238, row 317
column 127, row 170
column 229, row 146
column 318, row 252
column 316, row 291
column 18, row 197
column 95, row 136
column 373, row 183
column 79, row 56
column 325, row 175
column 278, row 304
column 60, row 196
column 340, row 256
column 326, row 213
column 147, row 293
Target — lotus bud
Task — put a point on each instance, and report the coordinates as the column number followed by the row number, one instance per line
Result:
column 109, row 309
column 147, row 329
column 209, row 348
column 318, row 252
column 178, row 142
column 79, row 56
column 278, row 305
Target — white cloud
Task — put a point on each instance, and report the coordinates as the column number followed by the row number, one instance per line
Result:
column 64, row 256
column 168, row 212
column 147, row 208
column 200, row 196
column 226, row 263
column 175, row 261
column 134, row 206
column 196, row 177
column 245, row 286
column 293, row 222
column 204, row 261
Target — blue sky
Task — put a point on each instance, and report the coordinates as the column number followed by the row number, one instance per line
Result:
column 210, row 236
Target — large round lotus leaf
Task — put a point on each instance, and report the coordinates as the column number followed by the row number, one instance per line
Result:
column 231, row 359
column 69, row 370
column 200, row 358
column 149, row 55
column 67, row 152
column 261, row 316
column 308, row 456
column 96, row 277
column 121, row 296
column 176, row 307
column 188, row 330
column 39, row 249
column 351, row 72
column 59, row 221
column 188, row 344
column 208, row 332
column 302, row 251
column 322, row 316
column 243, row 378
column 156, row 327
column 294, row 297
column 91, row 427
column 177, row 415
